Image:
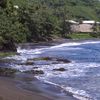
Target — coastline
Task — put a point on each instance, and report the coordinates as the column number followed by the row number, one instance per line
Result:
column 9, row 91
column 56, row 41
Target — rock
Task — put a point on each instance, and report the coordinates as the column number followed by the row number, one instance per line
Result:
column 7, row 72
column 29, row 63
column 35, row 67
column 63, row 60
column 53, row 59
column 60, row 69
column 35, row 72
column 3, row 61
column 45, row 61
column 41, row 58
column 8, row 46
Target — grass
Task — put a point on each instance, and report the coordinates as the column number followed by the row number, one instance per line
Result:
column 80, row 36
column 5, row 54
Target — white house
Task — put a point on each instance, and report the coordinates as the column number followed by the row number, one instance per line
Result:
column 16, row 6
column 84, row 26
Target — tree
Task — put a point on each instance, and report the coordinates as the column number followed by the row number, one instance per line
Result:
column 11, row 29
column 3, row 3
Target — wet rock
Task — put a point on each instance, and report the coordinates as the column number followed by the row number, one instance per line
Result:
column 41, row 58
column 35, row 67
column 63, row 60
column 7, row 72
column 27, row 63
column 35, row 72
column 6, row 60
column 53, row 60
column 9, row 45
column 60, row 69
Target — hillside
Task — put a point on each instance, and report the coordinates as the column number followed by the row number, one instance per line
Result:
column 74, row 9
column 41, row 20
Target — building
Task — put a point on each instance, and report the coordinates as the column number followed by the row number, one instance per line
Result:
column 16, row 6
column 83, row 26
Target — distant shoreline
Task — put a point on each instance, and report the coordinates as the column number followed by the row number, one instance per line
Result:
column 55, row 41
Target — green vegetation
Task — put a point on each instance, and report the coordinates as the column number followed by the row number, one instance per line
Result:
column 73, row 9
column 4, row 54
column 40, row 20
column 80, row 35
column 41, row 58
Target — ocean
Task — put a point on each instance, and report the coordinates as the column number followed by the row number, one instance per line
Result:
column 81, row 77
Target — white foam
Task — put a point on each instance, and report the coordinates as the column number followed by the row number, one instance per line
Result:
column 41, row 50
column 75, row 44
column 79, row 94
column 81, row 98
column 22, row 67
column 30, row 51
column 73, row 69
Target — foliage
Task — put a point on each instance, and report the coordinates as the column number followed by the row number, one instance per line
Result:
column 11, row 30
column 39, row 20
column 5, row 54
column 80, row 36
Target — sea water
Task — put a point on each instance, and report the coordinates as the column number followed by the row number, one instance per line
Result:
column 82, row 75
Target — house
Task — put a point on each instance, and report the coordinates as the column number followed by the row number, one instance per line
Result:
column 83, row 26
column 16, row 6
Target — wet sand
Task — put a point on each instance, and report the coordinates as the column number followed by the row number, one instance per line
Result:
column 9, row 91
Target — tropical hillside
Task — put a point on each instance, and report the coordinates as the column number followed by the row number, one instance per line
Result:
column 41, row 20
column 85, row 9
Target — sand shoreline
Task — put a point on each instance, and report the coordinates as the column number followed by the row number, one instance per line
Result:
column 9, row 91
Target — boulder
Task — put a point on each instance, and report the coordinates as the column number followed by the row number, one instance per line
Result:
column 9, row 45
column 60, row 69
column 7, row 72
column 41, row 58
column 35, row 72
column 63, row 60
column 27, row 63
column 53, row 59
